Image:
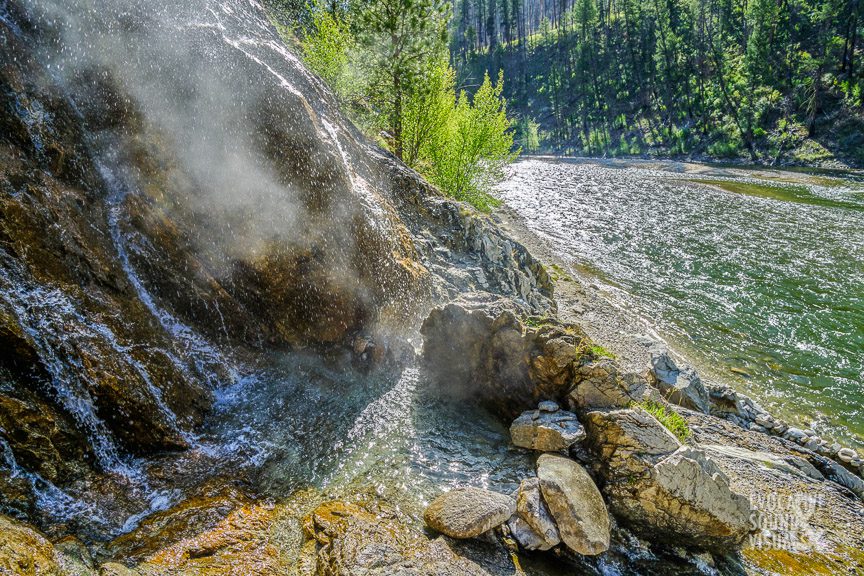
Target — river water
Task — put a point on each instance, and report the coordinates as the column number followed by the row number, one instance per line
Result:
column 756, row 275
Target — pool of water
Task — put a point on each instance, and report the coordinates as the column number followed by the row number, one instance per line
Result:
column 756, row 274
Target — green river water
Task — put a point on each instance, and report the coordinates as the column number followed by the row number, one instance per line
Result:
column 756, row 275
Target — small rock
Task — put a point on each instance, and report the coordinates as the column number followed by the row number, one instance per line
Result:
column 756, row 427
column 856, row 462
column 812, row 443
column 548, row 406
column 546, row 431
column 679, row 385
column 575, row 503
column 765, row 420
column 846, row 455
column 468, row 512
column 525, row 535
column 532, row 508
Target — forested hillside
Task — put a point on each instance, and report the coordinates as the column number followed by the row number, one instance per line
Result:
column 761, row 79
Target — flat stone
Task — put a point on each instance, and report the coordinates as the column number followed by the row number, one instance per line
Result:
column 788, row 464
column 548, row 406
column 468, row 512
column 575, row 503
column 532, row 508
column 546, row 431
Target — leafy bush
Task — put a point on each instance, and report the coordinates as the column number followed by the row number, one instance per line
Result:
column 467, row 142
column 326, row 46
column 459, row 143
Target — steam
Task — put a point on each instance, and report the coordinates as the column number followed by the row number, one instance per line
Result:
column 206, row 78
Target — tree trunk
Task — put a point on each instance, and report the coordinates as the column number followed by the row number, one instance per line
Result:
column 396, row 119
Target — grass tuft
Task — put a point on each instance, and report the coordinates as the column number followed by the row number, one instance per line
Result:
column 673, row 421
column 599, row 351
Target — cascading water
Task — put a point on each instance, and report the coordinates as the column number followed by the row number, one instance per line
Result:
column 289, row 420
column 45, row 315
column 206, row 361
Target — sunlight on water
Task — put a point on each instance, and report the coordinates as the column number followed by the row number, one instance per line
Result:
column 743, row 280
column 304, row 424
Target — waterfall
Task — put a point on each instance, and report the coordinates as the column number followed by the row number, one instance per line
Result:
column 206, row 360
column 46, row 315
column 50, row 499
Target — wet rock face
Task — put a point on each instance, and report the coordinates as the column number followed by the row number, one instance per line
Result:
column 82, row 357
column 488, row 348
column 195, row 191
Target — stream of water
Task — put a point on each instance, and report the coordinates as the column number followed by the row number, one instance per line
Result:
column 757, row 275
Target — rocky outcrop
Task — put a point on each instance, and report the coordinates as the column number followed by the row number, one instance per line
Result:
column 679, row 385
column 575, row 504
column 663, row 489
column 468, row 512
column 493, row 350
column 546, row 429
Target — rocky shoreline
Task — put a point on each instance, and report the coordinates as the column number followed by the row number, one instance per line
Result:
column 583, row 300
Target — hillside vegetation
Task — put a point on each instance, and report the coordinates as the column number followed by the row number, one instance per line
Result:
column 766, row 80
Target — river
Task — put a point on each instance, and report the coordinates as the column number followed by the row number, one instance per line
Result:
column 756, row 275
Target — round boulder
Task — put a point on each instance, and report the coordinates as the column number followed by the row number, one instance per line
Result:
column 575, row 503
column 468, row 512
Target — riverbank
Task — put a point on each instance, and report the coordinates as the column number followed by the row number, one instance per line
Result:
column 751, row 274
column 807, row 525
column 825, row 163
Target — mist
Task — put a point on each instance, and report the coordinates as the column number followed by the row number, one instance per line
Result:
column 212, row 120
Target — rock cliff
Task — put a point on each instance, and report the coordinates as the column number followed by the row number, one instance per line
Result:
column 176, row 192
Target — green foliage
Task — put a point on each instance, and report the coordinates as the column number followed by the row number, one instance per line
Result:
column 673, row 421
column 326, row 48
column 470, row 142
column 402, row 41
column 528, row 134
column 387, row 61
column 599, row 351
column 677, row 77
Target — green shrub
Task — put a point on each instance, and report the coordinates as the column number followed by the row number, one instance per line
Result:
column 468, row 147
